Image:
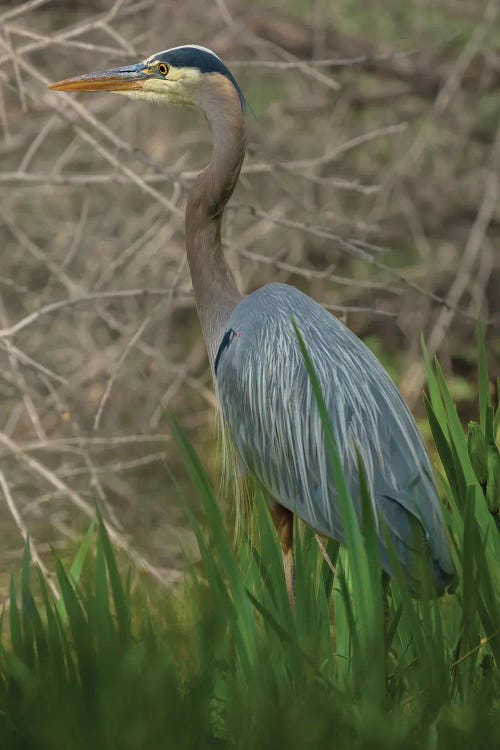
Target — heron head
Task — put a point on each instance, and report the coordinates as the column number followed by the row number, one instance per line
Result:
column 180, row 75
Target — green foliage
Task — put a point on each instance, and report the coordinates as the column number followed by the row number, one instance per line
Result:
column 355, row 664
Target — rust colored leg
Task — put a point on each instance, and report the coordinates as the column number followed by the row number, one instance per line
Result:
column 283, row 520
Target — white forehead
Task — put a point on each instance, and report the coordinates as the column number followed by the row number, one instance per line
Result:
column 182, row 46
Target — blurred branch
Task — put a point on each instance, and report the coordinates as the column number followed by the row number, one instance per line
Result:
column 422, row 71
column 23, row 8
column 20, row 381
column 25, row 535
column 27, row 360
column 414, row 381
column 116, row 369
column 86, row 508
column 92, row 297
column 355, row 248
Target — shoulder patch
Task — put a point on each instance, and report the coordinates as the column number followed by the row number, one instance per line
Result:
column 224, row 344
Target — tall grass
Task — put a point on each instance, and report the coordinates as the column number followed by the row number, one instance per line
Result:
column 227, row 663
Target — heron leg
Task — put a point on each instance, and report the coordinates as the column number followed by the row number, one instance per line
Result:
column 283, row 520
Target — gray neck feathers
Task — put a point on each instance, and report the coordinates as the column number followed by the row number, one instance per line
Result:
column 215, row 290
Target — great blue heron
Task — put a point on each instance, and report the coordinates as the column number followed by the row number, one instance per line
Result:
column 264, row 391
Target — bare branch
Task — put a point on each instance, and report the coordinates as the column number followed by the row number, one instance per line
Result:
column 86, row 508
column 116, row 369
column 92, row 297
column 25, row 535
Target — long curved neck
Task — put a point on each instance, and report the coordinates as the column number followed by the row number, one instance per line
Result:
column 215, row 290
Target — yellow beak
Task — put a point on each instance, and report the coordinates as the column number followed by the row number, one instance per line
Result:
column 129, row 78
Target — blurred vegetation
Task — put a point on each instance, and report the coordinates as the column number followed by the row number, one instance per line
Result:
column 372, row 181
column 228, row 663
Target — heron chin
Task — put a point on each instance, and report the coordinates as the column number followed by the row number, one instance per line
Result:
column 265, row 396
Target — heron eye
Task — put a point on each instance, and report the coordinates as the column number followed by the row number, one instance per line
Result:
column 163, row 69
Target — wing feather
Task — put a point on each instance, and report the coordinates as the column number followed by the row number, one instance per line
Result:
column 270, row 412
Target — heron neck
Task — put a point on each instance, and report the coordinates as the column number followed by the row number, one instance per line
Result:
column 215, row 290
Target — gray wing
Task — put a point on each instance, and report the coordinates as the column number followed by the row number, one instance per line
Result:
column 271, row 415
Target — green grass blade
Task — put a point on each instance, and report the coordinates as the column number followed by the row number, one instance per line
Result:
column 78, row 563
column 483, row 380
column 120, row 600
column 15, row 620
column 219, row 536
column 76, row 569
column 365, row 592
column 434, row 390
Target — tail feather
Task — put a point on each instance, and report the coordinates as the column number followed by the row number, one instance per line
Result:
column 409, row 540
